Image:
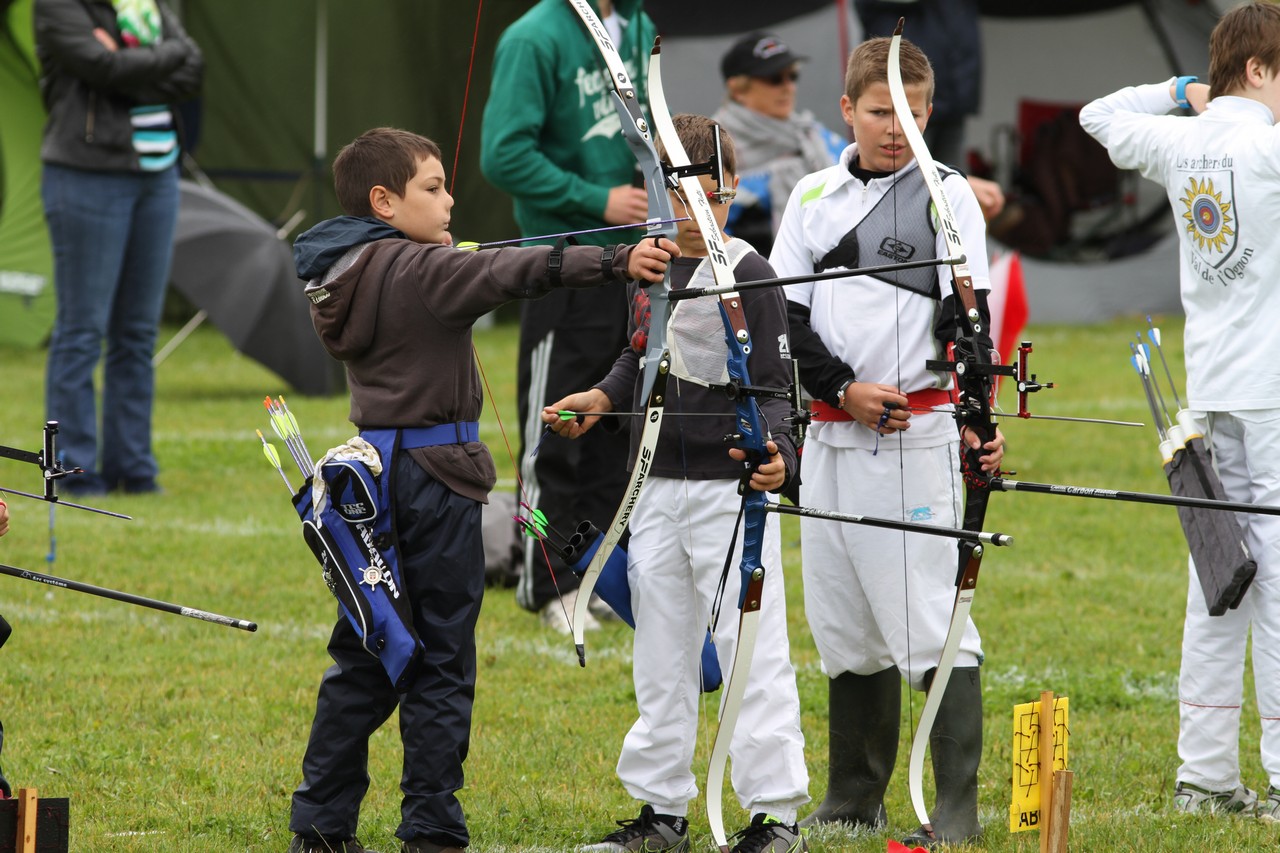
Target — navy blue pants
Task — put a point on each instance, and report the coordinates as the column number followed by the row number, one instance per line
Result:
column 442, row 564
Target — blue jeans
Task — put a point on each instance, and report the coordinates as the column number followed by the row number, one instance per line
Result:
column 112, row 235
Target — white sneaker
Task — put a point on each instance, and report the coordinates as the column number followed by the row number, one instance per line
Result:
column 1192, row 799
column 556, row 613
column 1269, row 809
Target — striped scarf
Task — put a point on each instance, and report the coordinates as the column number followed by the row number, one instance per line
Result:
column 155, row 139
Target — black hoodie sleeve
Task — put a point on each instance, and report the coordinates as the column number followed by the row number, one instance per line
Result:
column 821, row 373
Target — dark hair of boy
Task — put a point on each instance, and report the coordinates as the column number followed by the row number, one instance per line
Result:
column 869, row 64
column 1246, row 32
column 383, row 156
column 694, row 132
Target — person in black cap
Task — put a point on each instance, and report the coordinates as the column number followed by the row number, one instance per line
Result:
column 776, row 145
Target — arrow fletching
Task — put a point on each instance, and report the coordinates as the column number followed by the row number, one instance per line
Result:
column 540, row 522
column 272, row 456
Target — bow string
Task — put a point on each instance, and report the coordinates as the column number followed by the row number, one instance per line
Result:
column 751, row 436
column 973, row 368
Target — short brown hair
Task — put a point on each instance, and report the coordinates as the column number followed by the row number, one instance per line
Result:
column 694, row 132
column 1246, row 32
column 869, row 64
column 384, row 156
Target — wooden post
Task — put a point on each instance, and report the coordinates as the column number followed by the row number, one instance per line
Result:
column 1046, row 768
column 1060, row 818
column 26, row 840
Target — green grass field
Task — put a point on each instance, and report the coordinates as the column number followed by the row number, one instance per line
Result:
column 170, row 734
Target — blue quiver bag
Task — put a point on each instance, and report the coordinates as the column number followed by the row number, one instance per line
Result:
column 614, row 589
column 353, row 539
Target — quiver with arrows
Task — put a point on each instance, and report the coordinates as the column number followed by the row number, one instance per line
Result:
column 1216, row 539
column 353, row 539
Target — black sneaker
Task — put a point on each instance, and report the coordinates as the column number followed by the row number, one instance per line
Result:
column 649, row 833
column 770, row 835
column 304, row 844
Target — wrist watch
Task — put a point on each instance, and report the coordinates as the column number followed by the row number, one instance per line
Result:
column 1180, row 91
column 840, row 394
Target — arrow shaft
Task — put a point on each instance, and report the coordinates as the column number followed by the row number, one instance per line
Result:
column 61, row 502
column 128, row 598
column 892, row 524
column 696, row 292
column 1003, row 485
column 646, row 224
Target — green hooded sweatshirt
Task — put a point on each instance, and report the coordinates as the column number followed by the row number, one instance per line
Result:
column 551, row 136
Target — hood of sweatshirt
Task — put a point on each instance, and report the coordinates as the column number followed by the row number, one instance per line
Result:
column 320, row 246
column 347, row 274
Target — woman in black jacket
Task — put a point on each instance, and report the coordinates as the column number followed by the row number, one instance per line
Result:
column 111, row 70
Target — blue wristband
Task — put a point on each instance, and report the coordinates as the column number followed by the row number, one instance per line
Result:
column 1180, row 91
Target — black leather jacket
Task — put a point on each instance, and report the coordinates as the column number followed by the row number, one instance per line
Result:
column 88, row 90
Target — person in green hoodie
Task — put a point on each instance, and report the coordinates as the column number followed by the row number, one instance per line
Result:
column 551, row 140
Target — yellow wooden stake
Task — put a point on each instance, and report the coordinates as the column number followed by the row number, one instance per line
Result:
column 1046, row 766
column 26, row 840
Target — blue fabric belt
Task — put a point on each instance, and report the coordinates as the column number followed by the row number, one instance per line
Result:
column 459, row 433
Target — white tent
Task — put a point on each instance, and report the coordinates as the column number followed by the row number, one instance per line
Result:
column 1048, row 52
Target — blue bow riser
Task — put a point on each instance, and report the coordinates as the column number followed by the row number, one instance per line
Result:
column 613, row 588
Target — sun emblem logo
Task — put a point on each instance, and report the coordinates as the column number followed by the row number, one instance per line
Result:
column 1208, row 216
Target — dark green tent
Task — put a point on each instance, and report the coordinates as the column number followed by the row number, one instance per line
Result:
column 288, row 84
column 26, row 262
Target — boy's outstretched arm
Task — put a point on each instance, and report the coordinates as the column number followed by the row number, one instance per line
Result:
column 648, row 261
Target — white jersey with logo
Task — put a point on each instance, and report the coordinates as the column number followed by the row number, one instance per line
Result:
column 884, row 333
column 1212, row 166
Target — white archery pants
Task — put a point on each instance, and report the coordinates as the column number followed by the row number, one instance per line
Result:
column 680, row 534
column 1246, row 450
column 877, row 598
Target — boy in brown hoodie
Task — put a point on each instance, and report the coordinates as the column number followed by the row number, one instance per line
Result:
column 395, row 302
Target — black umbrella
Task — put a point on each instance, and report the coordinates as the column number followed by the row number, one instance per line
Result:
column 231, row 264
column 1215, row 538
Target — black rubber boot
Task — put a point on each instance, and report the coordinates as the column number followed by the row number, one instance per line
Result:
column 862, row 718
column 955, row 745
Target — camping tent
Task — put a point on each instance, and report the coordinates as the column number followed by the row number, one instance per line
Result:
column 283, row 95
column 289, row 83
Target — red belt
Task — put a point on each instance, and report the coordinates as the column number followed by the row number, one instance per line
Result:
column 917, row 401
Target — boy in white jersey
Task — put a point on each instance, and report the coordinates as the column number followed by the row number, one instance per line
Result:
column 879, row 602
column 681, row 529
column 1221, row 171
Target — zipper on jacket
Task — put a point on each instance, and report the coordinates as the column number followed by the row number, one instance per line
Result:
column 88, row 116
